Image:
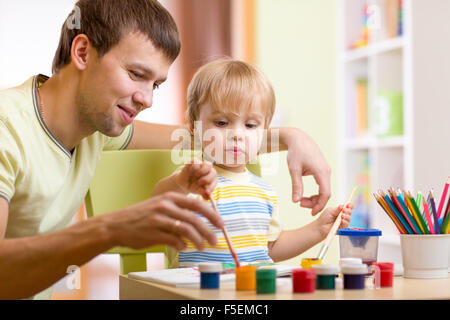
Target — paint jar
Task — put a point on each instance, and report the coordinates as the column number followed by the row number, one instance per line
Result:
column 359, row 243
column 245, row 278
column 325, row 276
column 307, row 263
column 210, row 275
column 344, row 261
column 303, row 280
column 354, row 275
column 386, row 273
column 266, row 280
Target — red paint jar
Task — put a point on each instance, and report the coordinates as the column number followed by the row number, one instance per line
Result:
column 386, row 273
column 303, row 280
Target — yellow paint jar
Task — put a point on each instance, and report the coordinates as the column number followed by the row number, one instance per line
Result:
column 245, row 278
column 307, row 263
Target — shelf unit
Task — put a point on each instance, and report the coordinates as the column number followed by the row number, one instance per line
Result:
column 417, row 64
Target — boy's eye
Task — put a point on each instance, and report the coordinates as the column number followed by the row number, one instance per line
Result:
column 155, row 86
column 251, row 125
column 221, row 123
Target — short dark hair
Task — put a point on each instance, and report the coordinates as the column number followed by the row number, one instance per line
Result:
column 105, row 22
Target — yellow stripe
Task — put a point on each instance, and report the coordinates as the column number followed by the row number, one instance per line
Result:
column 238, row 242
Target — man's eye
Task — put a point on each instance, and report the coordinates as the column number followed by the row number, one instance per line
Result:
column 155, row 86
column 136, row 75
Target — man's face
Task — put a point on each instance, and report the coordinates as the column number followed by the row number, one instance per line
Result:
column 116, row 87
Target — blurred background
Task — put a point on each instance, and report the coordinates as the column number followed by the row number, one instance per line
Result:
column 366, row 79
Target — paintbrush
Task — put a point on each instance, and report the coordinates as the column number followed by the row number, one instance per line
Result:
column 333, row 229
column 227, row 238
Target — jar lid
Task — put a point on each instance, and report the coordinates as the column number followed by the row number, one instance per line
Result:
column 303, row 273
column 245, row 269
column 357, row 232
column 324, row 269
column 384, row 266
column 354, row 269
column 210, row 267
column 266, row 273
column 344, row 261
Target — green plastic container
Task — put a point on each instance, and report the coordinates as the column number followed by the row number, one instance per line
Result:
column 325, row 276
column 266, row 280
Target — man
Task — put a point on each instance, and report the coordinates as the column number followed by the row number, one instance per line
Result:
column 52, row 133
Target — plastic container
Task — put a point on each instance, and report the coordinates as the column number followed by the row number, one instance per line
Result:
column 210, row 275
column 245, row 278
column 354, row 275
column 359, row 243
column 303, row 280
column 325, row 276
column 266, row 280
column 425, row 256
column 386, row 273
column 309, row 262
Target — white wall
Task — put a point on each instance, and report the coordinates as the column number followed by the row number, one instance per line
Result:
column 29, row 36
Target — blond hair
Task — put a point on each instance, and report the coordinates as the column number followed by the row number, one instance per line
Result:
column 230, row 85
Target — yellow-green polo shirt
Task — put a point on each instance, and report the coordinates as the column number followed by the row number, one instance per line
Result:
column 44, row 183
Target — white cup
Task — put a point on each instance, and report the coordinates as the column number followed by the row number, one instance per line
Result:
column 425, row 256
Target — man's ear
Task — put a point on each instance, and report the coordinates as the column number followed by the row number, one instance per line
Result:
column 81, row 51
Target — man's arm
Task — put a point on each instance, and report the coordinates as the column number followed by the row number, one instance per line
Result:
column 304, row 156
column 31, row 264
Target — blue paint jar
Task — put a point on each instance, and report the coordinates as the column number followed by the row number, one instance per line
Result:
column 210, row 275
column 354, row 275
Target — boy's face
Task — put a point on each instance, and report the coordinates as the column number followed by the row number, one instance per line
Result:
column 231, row 140
column 116, row 87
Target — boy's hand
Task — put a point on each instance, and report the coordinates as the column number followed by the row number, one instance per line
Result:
column 199, row 178
column 329, row 215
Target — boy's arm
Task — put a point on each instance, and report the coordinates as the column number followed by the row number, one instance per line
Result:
column 291, row 243
column 168, row 184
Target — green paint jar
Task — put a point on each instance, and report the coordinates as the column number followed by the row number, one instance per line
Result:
column 266, row 280
column 325, row 276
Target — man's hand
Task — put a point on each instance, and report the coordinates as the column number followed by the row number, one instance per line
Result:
column 164, row 219
column 304, row 159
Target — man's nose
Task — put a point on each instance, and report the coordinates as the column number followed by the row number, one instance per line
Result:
column 143, row 98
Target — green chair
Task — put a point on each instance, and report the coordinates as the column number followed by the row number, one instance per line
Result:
column 123, row 178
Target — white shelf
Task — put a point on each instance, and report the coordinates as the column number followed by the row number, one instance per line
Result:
column 372, row 143
column 374, row 49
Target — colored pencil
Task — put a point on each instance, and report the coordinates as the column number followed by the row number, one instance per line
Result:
column 227, row 238
column 333, row 229
column 419, row 198
column 417, row 211
column 398, row 201
column 391, row 214
column 443, row 198
column 428, row 216
column 433, row 208
column 397, row 212
column 446, row 225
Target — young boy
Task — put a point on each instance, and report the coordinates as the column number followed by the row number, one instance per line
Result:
column 231, row 103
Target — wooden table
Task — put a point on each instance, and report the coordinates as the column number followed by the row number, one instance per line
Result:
column 403, row 289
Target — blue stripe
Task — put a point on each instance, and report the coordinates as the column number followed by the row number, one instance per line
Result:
column 197, row 256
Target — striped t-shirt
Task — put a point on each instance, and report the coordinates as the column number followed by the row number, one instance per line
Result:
column 248, row 206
